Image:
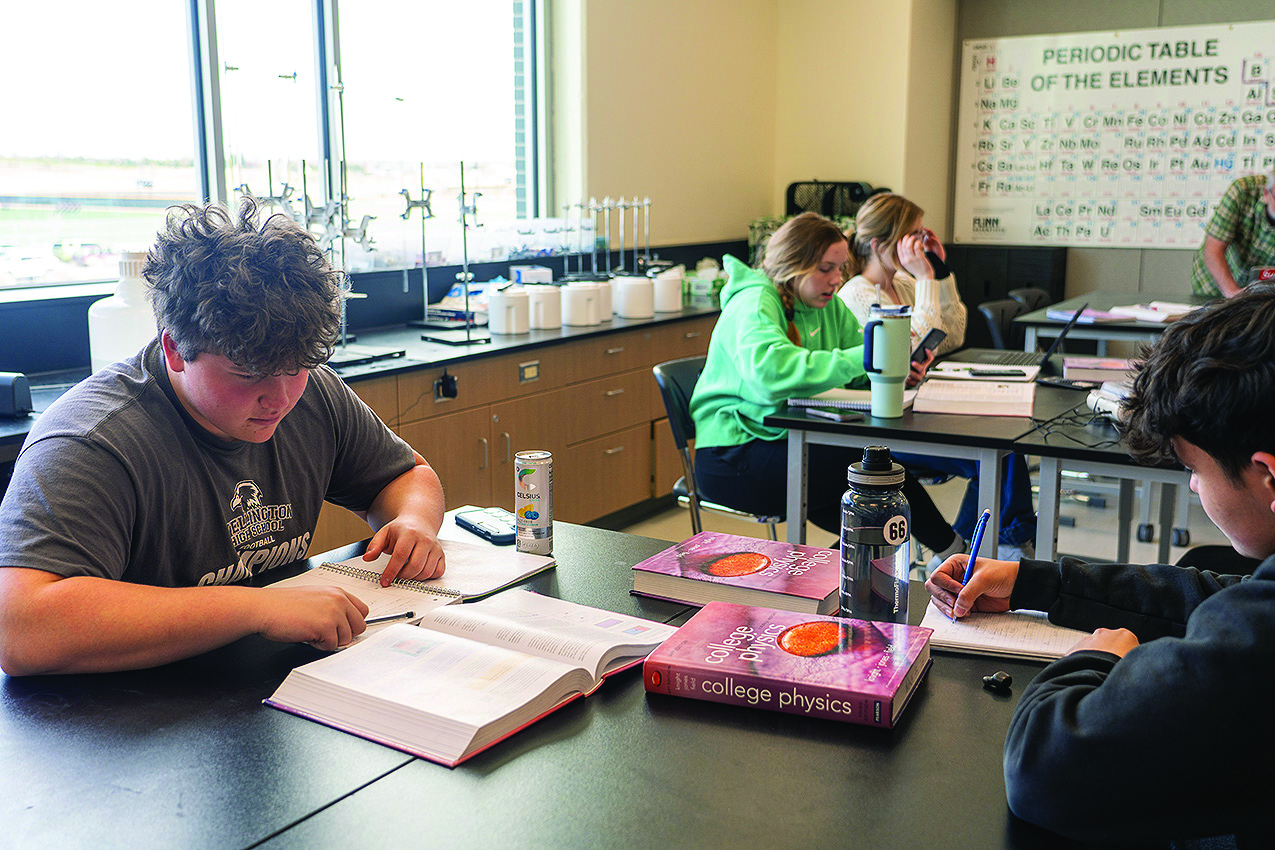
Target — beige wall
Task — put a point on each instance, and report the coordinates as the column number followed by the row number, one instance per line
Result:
column 677, row 104
column 712, row 107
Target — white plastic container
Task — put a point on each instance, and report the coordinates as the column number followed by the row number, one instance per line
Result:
column 580, row 304
column 546, row 307
column 508, row 311
column 668, row 293
column 122, row 324
column 604, row 300
column 634, row 297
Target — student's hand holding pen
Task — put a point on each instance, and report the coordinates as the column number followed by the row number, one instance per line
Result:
column 987, row 592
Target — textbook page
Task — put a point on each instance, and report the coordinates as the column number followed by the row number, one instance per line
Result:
column 552, row 628
column 1014, row 634
column 978, row 398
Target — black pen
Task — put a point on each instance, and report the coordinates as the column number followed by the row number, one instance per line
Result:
column 389, row 618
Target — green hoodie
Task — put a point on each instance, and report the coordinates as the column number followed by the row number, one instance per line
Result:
column 753, row 368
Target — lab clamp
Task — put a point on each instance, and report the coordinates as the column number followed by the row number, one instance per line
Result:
column 468, row 218
column 599, row 215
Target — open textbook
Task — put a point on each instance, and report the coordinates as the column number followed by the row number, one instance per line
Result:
column 1015, row 634
column 473, row 570
column 468, row 675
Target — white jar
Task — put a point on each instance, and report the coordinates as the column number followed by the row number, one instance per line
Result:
column 122, row 324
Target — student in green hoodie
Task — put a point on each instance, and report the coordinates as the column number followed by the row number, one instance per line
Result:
column 782, row 334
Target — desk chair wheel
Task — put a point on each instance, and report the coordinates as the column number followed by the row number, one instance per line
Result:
column 1180, row 537
column 1146, row 532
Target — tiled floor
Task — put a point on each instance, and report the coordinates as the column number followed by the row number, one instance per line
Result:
column 1094, row 534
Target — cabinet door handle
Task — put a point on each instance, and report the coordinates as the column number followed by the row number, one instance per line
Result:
column 486, row 457
column 693, row 334
column 614, row 451
column 610, row 393
column 508, row 444
column 615, row 350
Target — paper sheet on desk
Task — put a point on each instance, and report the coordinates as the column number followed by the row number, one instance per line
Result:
column 977, row 398
column 1015, row 634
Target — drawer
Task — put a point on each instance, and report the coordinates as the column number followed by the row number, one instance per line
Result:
column 602, row 476
column 682, row 339
column 607, row 355
column 380, row 394
column 605, row 405
column 477, row 383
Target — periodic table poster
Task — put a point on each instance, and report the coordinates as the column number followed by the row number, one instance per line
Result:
column 1116, row 139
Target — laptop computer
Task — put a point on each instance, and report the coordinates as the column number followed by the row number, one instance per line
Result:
column 1010, row 359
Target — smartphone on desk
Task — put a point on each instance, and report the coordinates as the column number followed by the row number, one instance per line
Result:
column 931, row 342
column 835, row 414
column 494, row 524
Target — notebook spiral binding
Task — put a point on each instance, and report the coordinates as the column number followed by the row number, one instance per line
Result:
column 409, row 583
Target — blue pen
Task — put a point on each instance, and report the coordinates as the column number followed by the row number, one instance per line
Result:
column 978, row 540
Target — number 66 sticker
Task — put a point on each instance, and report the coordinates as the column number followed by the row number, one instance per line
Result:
column 896, row 530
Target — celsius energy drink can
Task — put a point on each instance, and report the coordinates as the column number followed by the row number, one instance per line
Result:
column 533, row 501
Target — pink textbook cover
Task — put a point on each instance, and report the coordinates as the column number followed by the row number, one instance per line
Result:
column 855, row 671
column 712, row 565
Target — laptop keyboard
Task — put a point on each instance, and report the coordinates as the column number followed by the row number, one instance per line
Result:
column 1020, row 358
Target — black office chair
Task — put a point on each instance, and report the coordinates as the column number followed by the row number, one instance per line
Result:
column 1031, row 297
column 676, row 379
column 999, row 316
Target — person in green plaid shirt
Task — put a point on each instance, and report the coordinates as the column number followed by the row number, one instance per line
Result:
column 1240, row 235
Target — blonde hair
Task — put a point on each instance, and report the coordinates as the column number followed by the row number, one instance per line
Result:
column 795, row 250
column 886, row 217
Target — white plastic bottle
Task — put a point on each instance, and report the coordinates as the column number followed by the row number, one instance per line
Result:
column 120, row 325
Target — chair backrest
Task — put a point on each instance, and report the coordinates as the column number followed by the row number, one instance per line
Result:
column 1000, row 320
column 1031, row 297
column 676, row 379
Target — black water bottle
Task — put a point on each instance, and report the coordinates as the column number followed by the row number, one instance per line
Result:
column 876, row 548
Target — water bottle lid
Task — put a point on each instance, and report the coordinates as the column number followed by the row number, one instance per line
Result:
column 877, row 468
column 876, row 311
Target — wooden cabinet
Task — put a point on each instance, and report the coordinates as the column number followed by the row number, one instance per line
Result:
column 592, row 402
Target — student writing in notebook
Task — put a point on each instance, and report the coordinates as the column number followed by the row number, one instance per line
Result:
column 783, row 334
column 1156, row 726
column 203, row 460
column 895, row 260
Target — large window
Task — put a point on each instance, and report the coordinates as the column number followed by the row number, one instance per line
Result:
column 97, row 134
column 338, row 114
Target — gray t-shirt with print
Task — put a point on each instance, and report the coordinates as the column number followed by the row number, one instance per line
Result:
column 117, row 480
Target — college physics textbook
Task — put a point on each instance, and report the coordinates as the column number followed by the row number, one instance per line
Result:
column 468, row 676
column 730, row 568
column 856, row 671
column 473, row 570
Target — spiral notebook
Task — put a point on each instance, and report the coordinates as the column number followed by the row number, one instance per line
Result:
column 473, row 570
column 843, row 399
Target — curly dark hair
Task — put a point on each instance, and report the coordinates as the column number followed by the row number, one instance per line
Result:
column 1210, row 380
column 265, row 297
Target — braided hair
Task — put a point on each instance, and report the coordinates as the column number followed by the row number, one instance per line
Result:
column 794, row 251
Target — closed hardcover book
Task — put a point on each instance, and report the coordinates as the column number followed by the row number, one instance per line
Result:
column 1081, row 368
column 855, row 671
column 1160, row 312
column 1088, row 316
column 714, row 566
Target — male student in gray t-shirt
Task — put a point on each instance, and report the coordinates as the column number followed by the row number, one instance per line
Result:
column 203, row 460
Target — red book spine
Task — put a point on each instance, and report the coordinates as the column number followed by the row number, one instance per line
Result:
column 663, row 676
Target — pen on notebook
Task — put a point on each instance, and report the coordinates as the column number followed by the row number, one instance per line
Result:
column 389, row 618
column 978, row 540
